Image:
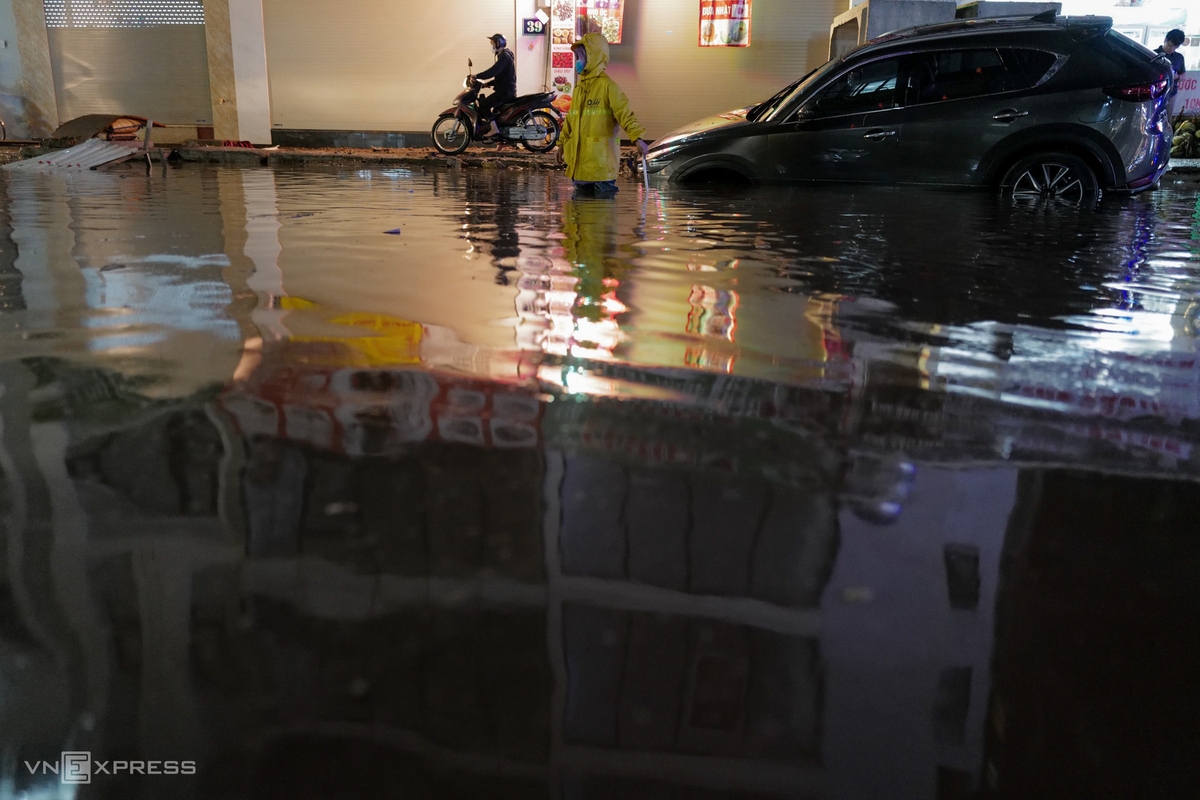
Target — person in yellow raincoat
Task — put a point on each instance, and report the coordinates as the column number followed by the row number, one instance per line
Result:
column 589, row 144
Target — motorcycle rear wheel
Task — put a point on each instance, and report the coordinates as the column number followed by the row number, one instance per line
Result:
column 451, row 134
column 546, row 120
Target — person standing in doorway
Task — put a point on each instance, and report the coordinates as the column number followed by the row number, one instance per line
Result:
column 589, row 146
column 1170, row 48
column 503, row 76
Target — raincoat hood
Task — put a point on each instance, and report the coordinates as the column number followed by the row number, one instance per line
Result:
column 596, row 47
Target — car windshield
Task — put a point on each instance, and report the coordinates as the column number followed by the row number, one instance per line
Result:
column 783, row 97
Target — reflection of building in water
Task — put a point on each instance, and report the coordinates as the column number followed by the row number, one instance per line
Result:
column 640, row 594
column 1095, row 648
column 151, row 292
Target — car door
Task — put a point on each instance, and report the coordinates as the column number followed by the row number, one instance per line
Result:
column 959, row 103
column 846, row 131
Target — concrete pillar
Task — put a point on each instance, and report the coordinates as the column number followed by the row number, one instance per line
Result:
column 237, row 70
column 28, row 104
column 533, row 74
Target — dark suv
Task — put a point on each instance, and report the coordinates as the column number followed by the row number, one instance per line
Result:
column 1058, row 107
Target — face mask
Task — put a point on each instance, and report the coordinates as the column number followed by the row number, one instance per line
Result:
column 580, row 66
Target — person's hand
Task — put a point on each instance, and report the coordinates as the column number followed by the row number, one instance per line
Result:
column 643, row 147
column 558, row 156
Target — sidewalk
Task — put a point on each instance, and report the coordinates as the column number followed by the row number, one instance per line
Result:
column 503, row 157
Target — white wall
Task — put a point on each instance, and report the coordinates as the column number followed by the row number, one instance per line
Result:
column 250, row 70
column 375, row 65
column 379, row 65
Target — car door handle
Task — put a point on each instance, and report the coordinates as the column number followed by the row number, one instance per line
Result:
column 878, row 136
column 1009, row 114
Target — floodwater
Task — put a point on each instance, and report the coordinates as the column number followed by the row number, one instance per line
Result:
column 438, row 484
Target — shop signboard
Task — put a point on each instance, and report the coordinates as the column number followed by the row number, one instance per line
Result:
column 725, row 23
column 1187, row 97
column 562, row 61
column 601, row 16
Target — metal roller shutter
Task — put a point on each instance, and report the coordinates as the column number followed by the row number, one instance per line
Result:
column 142, row 57
column 375, row 65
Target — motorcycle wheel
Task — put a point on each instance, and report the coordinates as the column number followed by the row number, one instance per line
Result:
column 546, row 120
column 451, row 135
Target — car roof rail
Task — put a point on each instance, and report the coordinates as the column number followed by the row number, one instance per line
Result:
column 1050, row 15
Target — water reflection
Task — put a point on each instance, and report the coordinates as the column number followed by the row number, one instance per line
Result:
column 767, row 494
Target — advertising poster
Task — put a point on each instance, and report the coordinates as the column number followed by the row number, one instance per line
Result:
column 562, row 62
column 725, row 23
column 601, row 16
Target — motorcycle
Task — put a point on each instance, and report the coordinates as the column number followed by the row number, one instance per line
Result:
column 529, row 120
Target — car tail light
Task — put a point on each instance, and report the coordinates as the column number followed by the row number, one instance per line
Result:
column 1141, row 92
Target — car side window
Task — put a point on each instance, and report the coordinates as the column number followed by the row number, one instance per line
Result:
column 869, row 87
column 956, row 74
column 1026, row 68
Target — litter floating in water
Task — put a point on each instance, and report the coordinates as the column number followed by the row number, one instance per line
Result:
column 394, row 231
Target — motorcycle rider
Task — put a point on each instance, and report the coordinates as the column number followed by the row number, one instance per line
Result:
column 504, row 82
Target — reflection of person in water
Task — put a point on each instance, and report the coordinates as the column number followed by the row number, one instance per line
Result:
column 590, row 230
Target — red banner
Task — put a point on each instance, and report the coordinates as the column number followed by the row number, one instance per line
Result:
column 725, row 23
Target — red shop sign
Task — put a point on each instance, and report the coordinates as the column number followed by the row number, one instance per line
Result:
column 725, row 23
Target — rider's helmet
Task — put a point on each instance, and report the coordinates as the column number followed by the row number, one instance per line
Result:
column 498, row 42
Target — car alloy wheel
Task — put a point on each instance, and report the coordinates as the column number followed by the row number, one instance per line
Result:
column 1052, row 178
column 1050, row 181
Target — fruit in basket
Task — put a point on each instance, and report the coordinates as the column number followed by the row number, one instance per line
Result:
column 1185, row 143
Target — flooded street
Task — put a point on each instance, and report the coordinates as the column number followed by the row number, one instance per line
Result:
column 446, row 484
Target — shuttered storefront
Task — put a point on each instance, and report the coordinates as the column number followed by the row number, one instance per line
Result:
column 141, row 57
column 374, row 65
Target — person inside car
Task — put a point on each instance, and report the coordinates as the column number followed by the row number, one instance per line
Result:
column 503, row 76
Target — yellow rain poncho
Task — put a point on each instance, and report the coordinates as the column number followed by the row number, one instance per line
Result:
column 590, row 145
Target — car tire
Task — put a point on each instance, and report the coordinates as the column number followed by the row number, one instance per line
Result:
column 1052, row 179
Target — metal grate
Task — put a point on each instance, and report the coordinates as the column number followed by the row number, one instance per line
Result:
column 122, row 13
